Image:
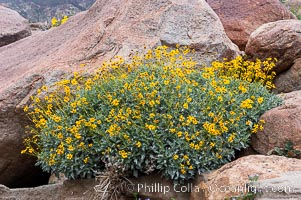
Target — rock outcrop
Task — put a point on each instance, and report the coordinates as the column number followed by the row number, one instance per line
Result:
column 282, row 125
column 108, row 28
column 280, row 39
column 231, row 179
column 289, row 80
column 241, row 18
column 13, row 26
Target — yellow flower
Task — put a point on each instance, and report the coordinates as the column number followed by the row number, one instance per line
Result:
column 56, row 118
column 185, row 105
column 123, row 154
column 125, row 136
column 172, row 130
column 226, row 81
column 140, row 96
column 138, row 144
column 44, row 88
column 86, row 160
column 70, row 148
column 260, row 100
column 64, row 20
column 142, row 102
column 255, row 128
column 179, row 134
column 77, row 136
column 25, row 109
column 211, row 114
column 248, row 123
column 59, row 151
column 69, row 156
column 218, row 156
column 152, row 103
column 68, row 140
column 115, row 102
column 150, row 127
column 175, row 157
column 151, row 115
column 37, row 100
column 66, row 99
column 246, row 103
column 60, row 136
column 24, row 151
column 54, row 21
column 196, row 147
column 74, row 82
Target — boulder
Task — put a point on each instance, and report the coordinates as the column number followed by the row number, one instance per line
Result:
column 107, row 29
column 280, row 39
column 231, row 179
column 282, row 124
column 75, row 190
column 289, row 80
column 241, row 18
column 13, row 26
column 287, row 186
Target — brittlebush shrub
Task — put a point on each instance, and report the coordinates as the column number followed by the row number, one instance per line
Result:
column 157, row 112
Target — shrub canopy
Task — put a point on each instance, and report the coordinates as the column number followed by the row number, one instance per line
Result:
column 159, row 111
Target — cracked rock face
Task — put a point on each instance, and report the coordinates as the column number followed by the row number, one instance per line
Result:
column 241, row 18
column 13, row 26
column 282, row 124
column 107, row 29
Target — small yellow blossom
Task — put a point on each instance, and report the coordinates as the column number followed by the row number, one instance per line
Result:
column 69, row 156
column 138, row 144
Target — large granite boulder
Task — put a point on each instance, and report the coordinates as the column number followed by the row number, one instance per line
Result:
column 107, row 29
column 289, row 80
column 283, row 124
column 280, row 39
column 13, row 26
column 241, row 18
column 231, row 179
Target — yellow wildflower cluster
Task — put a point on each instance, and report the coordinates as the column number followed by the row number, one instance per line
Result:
column 250, row 71
column 56, row 22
